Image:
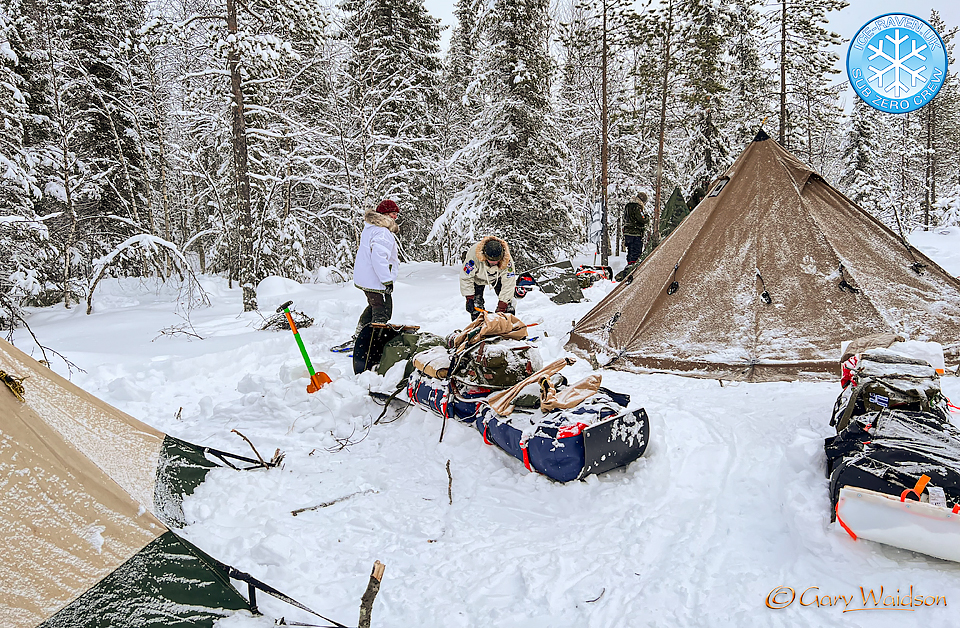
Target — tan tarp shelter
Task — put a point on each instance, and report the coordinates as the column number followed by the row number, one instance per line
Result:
column 84, row 488
column 830, row 271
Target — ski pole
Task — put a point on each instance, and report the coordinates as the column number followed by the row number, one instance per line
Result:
column 317, row 380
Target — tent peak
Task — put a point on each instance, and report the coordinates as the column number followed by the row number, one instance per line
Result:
column 761, row 135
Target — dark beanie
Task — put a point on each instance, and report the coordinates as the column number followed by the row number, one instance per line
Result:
column 387, row 206
column 493, row 250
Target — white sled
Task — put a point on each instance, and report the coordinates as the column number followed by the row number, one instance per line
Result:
column 917, row 526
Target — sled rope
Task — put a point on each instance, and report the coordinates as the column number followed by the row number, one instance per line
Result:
column 15, row 384
column 843, row 525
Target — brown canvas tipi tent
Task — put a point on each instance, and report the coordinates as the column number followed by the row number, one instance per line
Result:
column 764, row 280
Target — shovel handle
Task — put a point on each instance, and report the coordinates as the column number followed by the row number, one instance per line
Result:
column 284, row 306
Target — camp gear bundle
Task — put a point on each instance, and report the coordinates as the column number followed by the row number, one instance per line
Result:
column 884, row 379
column 694, row 305
column 492, row 379
column 895, row 442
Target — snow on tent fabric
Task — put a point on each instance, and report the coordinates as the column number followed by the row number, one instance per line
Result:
column 770, row 225
column 87, row 491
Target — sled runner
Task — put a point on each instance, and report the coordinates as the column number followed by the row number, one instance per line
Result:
column 917, row 526
column 368, row 348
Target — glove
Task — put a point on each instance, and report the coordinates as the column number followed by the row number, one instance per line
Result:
column 502, row 306
column 469, row 307
column 388, row 287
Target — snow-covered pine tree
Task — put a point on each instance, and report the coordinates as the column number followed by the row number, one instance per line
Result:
column 800, row 48
column 749, row 83
column 248, row 186
column 459, row 107
column 519, row 193
column 94, row 92
column 863, row 178
column 939, row 130
column 600, row 56
column 24, row 242
column 393, row 78
column 701, row 62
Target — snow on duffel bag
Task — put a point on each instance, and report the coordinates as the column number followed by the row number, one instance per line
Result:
column 598, row 435
column 446, row 398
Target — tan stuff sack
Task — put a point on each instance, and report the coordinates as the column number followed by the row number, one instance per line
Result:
column 434, row 362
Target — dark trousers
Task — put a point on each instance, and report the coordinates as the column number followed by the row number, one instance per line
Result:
column 634, row 248
column 478, row 300
column 379, row 309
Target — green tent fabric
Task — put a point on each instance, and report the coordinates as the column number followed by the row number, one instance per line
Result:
column 87, row 489
column 673, row 213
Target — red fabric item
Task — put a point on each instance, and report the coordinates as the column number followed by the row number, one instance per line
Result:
column 526, row 456
column 848, row 368
column 387, row 206
column 501, row 306
column 571, row 430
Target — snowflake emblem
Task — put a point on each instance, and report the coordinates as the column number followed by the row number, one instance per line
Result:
column 897, row 65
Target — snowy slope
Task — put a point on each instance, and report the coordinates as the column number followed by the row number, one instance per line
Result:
column 729, row 502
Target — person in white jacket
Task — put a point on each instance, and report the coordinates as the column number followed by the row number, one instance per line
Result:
column 376, row 265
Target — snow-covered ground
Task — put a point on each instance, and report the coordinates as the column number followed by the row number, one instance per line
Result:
column 729, row 502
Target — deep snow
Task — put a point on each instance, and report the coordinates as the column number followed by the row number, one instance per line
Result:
column 729, row 502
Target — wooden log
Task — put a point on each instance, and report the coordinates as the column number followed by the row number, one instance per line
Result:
column 373, row 587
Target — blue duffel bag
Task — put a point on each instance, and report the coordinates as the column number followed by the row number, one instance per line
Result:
column 595, row 437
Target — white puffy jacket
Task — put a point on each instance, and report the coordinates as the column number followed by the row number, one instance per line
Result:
column 377, row 260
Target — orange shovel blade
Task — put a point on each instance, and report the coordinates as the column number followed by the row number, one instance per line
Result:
column 318, row 381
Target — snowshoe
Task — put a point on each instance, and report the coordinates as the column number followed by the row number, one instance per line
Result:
column 343, row 347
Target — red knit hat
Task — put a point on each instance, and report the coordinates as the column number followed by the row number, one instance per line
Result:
column 387, row 206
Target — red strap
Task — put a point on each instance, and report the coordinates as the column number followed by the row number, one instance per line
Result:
column 952, row 407
column 956, row 508
column 526, row 457
column 485, row 435
column 843, row 525
column 916, row 490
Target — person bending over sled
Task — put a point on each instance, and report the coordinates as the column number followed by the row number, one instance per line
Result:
column 488, row 263
column 376, row 265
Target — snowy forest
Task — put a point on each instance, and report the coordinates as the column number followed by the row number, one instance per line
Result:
column 246, row 138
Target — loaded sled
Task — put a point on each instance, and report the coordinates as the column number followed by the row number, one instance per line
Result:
column 894, row 465
column 491, row 378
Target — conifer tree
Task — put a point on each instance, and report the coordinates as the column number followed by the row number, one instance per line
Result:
column 518, row 192
column 800, row 48
column 394, row 73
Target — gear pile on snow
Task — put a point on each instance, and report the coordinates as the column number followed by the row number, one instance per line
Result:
column 895, row 443
column 494, row 380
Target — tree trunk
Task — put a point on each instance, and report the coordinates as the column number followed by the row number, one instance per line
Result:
column 245, row 215
column 605, row 229
column 783, row 74
column 655, row 227
column 65, row 174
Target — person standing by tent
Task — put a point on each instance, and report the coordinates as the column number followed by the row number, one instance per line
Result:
column 634, row 226
column 376, row 265
column 488, row 263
